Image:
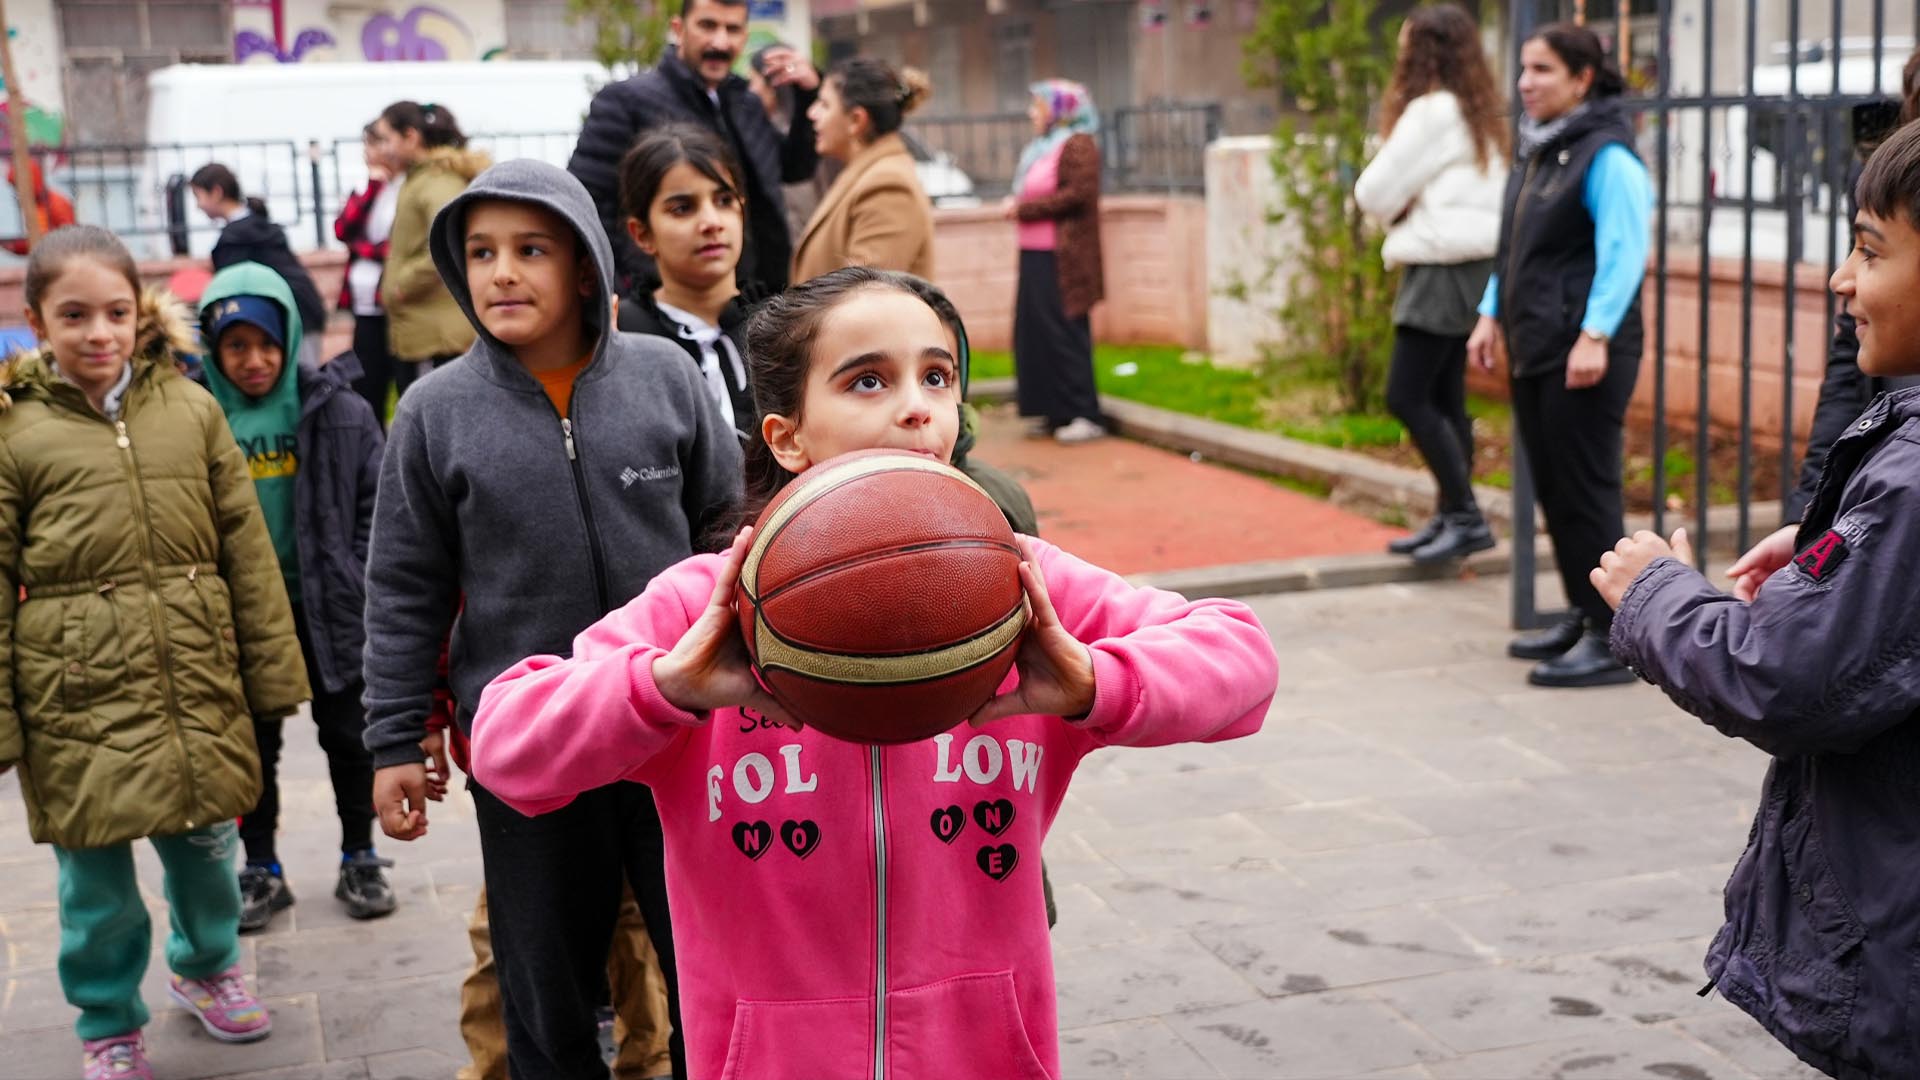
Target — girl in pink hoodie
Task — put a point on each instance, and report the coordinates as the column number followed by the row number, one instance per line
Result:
column 841, row 910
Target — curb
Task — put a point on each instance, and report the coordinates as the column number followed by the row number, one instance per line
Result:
column 1357, row 482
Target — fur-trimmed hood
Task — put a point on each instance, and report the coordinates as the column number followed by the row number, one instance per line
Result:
column 465, row 163
column 163, row 331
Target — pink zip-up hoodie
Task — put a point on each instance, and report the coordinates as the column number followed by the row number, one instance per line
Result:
column 848, row 911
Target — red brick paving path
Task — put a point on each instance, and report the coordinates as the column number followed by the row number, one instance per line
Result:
column 1134, row 508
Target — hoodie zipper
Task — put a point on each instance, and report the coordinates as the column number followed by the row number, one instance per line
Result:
column 586, row 514
column 880, row 920
column 141, row 521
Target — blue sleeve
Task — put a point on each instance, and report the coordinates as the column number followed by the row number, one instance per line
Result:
column 1620, row 197
column 1490, row 302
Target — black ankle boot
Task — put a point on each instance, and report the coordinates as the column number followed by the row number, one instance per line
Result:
column 1461, row 534
column 1588, row 663
column 1548, row 643
column 1407, row 545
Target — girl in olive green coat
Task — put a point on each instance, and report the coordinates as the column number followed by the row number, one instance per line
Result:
column 143, row 622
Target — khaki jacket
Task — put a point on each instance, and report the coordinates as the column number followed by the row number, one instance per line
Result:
column 876, row 214
column 154, row 623
column 423, row 322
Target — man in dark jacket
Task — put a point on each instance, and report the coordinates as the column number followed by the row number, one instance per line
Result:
column 1820, row 670
column 694, row 83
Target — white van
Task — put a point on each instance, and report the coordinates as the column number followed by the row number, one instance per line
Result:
column 276, row 125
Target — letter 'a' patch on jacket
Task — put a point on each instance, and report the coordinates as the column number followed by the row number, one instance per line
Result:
column 1823, row 557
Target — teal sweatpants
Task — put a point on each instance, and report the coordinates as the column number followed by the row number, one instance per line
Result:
column 106, row 936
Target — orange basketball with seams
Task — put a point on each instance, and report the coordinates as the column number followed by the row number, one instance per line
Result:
column 881, row 598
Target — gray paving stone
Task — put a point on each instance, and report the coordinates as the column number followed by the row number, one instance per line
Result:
column 1123, row 804
column 1156, row 976
column 1491, row 807
column 413, row 1065
column 317, row 960
column 1587, row 916
column 404, row 1015
column 347, row 1069
column 1513, row 1004
column 1088, row 921
column 1249, row 889
column 180, row 1048
column 1208, row 841
column 1671, row 786
column 1142, row 1049
column 1341, row 952
column 1383, row 875
column 1737, row 1036
column 1613, row 1056
column 1597, row 849
column 1313, row 1036
column 1331, row 826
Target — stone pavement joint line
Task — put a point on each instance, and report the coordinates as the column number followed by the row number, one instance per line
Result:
column 1419, row 869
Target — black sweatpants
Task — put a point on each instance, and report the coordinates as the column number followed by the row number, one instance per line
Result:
column 553, row 894
column 370, row 346
column 341, row 721
column 1052, row 353
column 1575, row 442
column 1427, row 391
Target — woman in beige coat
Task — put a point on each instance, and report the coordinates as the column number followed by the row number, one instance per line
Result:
column 876, row 213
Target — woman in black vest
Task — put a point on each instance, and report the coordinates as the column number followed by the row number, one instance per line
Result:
column 1564, row 307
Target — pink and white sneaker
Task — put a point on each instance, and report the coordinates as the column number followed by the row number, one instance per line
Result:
column 224, row 1005
column 122, row 1057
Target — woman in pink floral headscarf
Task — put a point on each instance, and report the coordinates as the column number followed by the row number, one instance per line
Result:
column 1056, row 200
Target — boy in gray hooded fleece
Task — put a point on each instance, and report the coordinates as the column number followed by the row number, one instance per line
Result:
column 544, row 477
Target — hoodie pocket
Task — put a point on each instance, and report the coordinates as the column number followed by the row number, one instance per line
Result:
column 1815, row 974
column 800, row 1040
column 965, row 1028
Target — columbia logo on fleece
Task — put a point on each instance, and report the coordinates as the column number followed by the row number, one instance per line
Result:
column 630, row 474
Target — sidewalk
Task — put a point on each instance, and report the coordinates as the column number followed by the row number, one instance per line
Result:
column 1419, row 869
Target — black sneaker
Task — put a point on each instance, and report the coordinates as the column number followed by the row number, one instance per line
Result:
column 262, row 892
column 363, row 888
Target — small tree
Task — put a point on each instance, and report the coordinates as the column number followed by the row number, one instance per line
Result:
column 1331, row 68
column 625, row 31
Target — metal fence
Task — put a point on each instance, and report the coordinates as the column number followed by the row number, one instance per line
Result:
column 1752, row 161
column 140, row 190
column 1144, row 148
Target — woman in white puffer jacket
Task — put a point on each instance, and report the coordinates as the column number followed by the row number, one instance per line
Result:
column 1438, row 183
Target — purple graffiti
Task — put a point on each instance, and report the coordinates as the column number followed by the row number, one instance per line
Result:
column 387, row 38
column 250, row 43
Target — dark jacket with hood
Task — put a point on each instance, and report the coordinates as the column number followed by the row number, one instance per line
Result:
column 671, row 92
column 338, row 444
column 1822, row 938
column 642, row 315
column 1546, row 259
column 255, row 238
column 545, row 523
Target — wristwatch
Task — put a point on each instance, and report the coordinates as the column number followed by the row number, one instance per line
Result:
column 1594, row 336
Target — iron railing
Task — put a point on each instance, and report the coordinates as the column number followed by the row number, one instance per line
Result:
column 1142, row 148
column 1758, row 173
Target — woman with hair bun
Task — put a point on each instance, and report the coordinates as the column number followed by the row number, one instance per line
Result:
column 876, row 214
column 425, row 325
column 1564, row 307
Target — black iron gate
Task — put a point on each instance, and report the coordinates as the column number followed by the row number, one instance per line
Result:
column 1750, row 112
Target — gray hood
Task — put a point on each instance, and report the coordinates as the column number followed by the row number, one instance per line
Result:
column 541, row 184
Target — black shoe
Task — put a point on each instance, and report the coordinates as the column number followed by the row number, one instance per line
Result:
column 1461, row 535
column 1407, row 545
column 262, row 892
column 1588, row 663
column 363, row 887
column 1548, row 643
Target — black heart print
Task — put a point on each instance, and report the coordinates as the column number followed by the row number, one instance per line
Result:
column 752, row 838
column 998, row 862
column 801, row 837
column 994, row 815
column 948, row 823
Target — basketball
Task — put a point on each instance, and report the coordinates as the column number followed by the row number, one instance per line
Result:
column 881, row 599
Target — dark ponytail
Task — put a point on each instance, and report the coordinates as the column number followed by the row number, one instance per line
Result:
column 1582, row 51
column 435, row 123
column 217, row 177
column 887, row 96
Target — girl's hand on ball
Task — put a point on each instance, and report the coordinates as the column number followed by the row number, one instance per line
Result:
column 708, row 669
column 1056, row 671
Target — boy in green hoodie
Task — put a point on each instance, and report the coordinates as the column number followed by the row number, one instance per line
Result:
column 313, row 447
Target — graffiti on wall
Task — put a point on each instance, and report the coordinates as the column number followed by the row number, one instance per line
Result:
column 250, row 43
column 424, row 32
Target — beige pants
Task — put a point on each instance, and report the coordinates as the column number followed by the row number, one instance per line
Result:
column 640, row 1026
